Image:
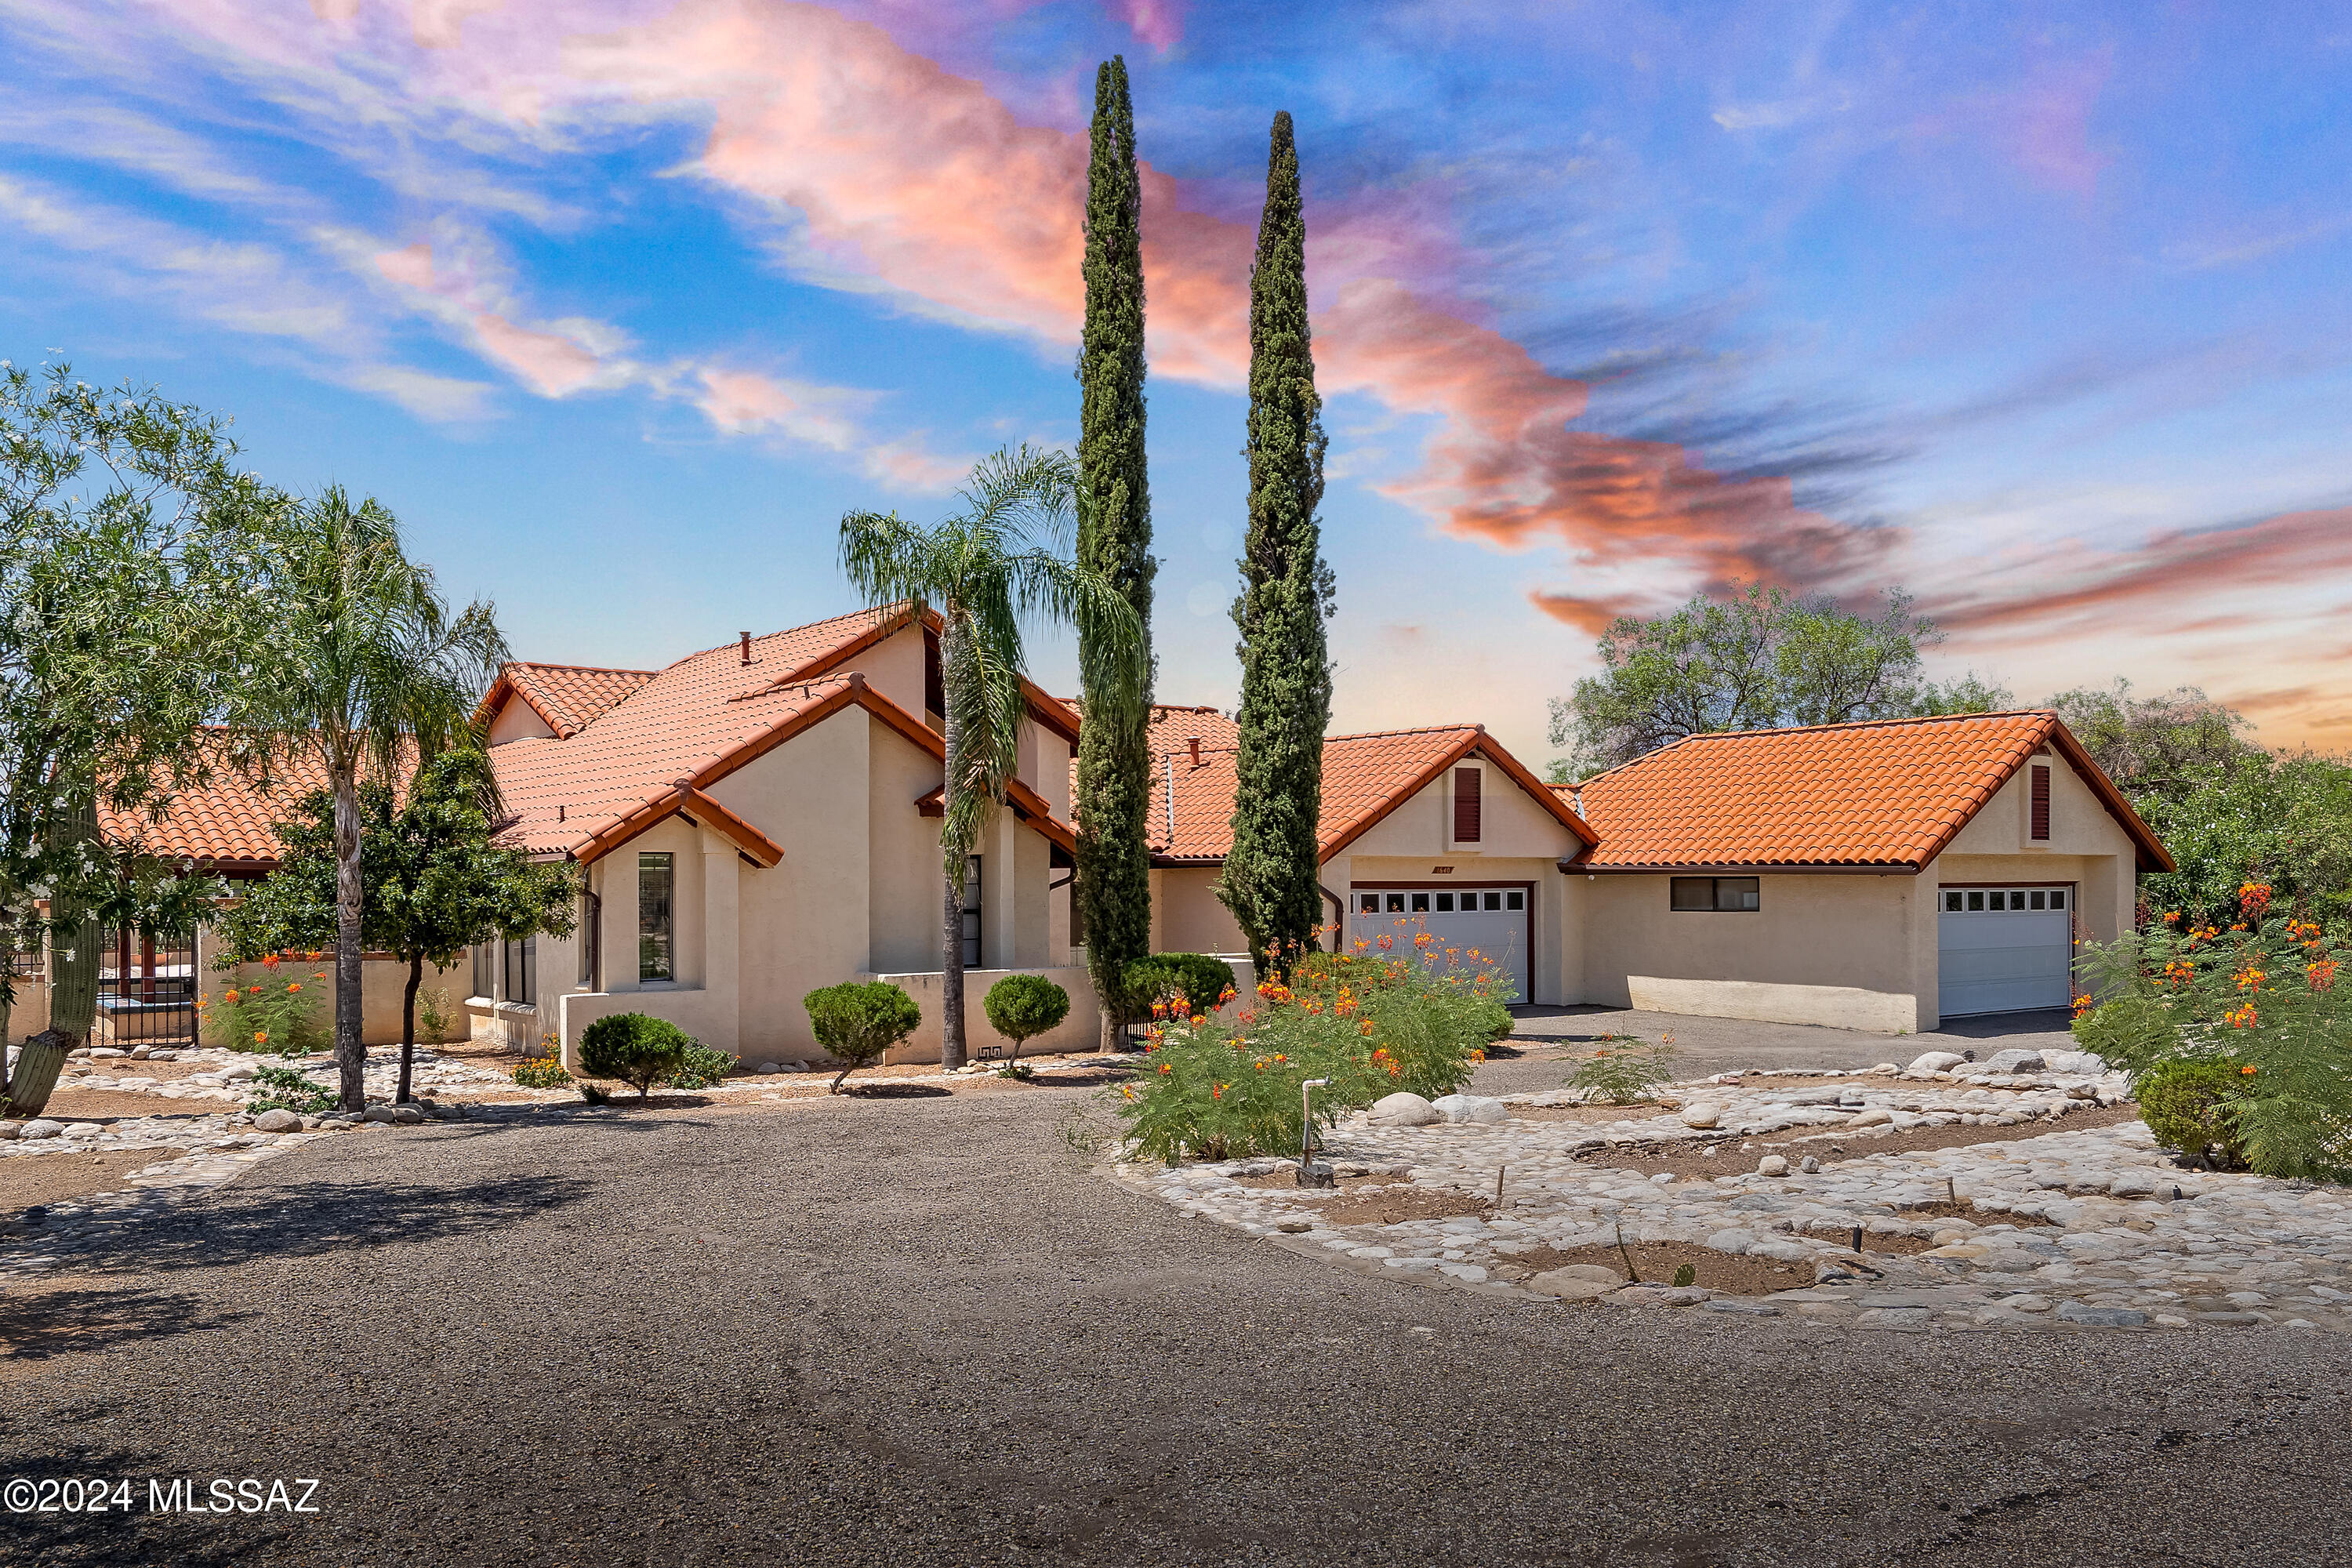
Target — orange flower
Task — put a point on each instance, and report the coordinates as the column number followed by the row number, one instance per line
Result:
column 2082, row 1004
column 2253, row 897
column 293, row 986
column 1165, row 1068
column 2322, row 975
column 261, row 1036
column 2250, row 979
column 269, row 960
column 2249, row 1071
column 1216, row 1092
column 2172, row 918
column 228, row 995
column 1387, row 943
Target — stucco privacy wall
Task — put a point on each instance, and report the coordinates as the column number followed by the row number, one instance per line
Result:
column 381, row 982
column 1188, row 916
column 1852, row 950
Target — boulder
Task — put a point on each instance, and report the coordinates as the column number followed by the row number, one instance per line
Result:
column 407, row 1115
column 1569, row 1285
column 1702, row 1114
column 2015, row 1059
column 103, row 1052
column 766, row 1068
column 279, row 1120
column 236, row 1072
column 1772, row 1166
column 1470, row 1107
column 162, row 1056
column 84, row 1128
column 1809, row 1164
column 2133, row 1185
column 1936, row 1061
column 1402, row 1110
column 1871, row 1116
column 40, row 1127
column 2090, row 1063
column 377, row 1113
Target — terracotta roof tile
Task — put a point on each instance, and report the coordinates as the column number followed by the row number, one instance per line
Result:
column 571, row 697
column 1886, row 792
column 225, row 823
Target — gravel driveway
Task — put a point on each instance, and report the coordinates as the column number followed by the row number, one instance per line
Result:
column 922, row 1331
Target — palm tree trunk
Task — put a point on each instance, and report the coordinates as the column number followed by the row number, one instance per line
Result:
column 409, row 1023
column 351, row 1055
column 952, row 1042
column 953, row 868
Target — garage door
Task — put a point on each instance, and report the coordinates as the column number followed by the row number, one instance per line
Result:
column 2001, row 950
column 1492, row 919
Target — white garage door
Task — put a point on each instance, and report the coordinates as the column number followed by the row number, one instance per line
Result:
column 1492, row 919
column 2001, row 950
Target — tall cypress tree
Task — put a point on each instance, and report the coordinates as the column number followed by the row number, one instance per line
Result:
column 1270, row 876
column 1114, row 788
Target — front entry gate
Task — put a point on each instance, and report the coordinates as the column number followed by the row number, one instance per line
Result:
column 147, row 989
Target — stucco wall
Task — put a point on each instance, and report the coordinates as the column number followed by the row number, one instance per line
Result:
column 2086, row 846
column 382, row 980
column 1186, row 916
column 516, row 720
column 905, row 907
column 1821, row 949
column 894, row 666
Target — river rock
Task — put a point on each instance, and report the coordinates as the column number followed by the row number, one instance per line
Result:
column 279, row 1120
column 1402, row 1108
column 2087, row 1062
column 1570, row 1286
column 1772, row 1166
column 41, row 1127
column 1702, row 1114
column 1871, row 1116
column 1470, row 1107
column 2015, row 1059
column 1936, row 1061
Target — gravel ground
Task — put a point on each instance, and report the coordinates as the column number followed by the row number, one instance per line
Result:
column 924, row 1332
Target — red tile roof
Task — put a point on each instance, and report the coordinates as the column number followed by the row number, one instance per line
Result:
column 568, row 697
column 227, row 822
column 1365, row 777
column 1886, row 792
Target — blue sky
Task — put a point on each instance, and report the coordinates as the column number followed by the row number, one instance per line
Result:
column 620, row 303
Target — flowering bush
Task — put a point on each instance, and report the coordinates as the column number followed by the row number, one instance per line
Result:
column 1218, row 1089
column 2258, row 1000
column 276, row 1014
column 543, row 1072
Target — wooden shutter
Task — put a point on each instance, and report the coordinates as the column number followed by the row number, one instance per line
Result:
column 2041, row 801
column 1466, row 805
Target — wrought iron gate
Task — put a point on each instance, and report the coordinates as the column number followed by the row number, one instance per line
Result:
column 147, row 989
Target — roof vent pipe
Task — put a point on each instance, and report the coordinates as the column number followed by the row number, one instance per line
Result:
column 1196, row 750
column 747, row 648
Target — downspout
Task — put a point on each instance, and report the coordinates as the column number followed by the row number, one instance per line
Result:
column 1339, row 919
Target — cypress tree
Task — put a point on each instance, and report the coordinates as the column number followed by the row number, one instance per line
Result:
column 1113, row 892
column 1270, row 876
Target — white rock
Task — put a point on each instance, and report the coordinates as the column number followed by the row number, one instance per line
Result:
column 377, row 1113
column 236, row 1072
column 1936, row 1061
column 1871, row 1116
column 1702, row 1114
column 84, row 1128
column 1570, row 1285
column 407, row 1115
column 9, row 1130
column 1772, row 1166
column 1468, row 1108
column 102, row 1053
column 41, row 1127
column 1402, row 1110
column 279, row 1120
column 2013, row 1060
column 2088, row 1062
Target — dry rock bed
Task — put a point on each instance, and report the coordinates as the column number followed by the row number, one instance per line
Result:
column 2063, row 1215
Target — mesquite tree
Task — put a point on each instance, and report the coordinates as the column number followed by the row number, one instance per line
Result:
column 1269, row 881
column 1113, row 888
column 979, row 567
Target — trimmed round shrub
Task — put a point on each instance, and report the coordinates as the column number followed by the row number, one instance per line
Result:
column 637, row 1049
column 1194, row 977
column 857, row 1023
column 2189, row 1106
column 1020, row 1006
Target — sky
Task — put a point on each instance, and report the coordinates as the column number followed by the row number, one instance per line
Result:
column 2036, row 313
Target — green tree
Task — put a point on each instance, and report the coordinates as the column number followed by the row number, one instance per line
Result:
column 982, row 570
column 111, row 655
column 435, row 881
column 357, row 663
column 1287, row 591
column 2230, row 811
column 1759, row 659
column 1113, row 888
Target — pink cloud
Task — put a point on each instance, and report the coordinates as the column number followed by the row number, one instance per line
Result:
column 1159, row 23
column 550, row 364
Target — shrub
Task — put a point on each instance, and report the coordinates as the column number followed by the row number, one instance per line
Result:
column 2260, row 996
column 433, row 1019
column 2191, row 1106
column 1624, row 1070
column 634, row 1048
column 857, row 1023
column 1203, row 980
column 1217, row 1090
column 283, row 1088
column 1022, row 1007
column 275, row 1014
column 701, row 1067
column 543, row 1072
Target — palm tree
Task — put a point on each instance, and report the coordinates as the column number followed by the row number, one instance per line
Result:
column 982, row 570
column 358, row 661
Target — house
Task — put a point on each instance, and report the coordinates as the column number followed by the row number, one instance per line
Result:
column 761, row 818
column 1879, row 876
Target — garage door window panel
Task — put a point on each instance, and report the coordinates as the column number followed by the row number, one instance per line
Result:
column 1716, row 895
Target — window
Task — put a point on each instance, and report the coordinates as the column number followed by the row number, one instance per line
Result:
column 1445, row 903
column 656, row 924
column 971, row 912
column 522, row 971
column 591, row 939
column 1730, row 894
column 1369, row 903
column 2003, row 900
column 2041, row 801
column 1396, row 903
column 1517, row 897
column 1421, row 903
column 486, row 978
column 1466, row 805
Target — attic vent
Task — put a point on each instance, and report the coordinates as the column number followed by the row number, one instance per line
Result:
column 2041, row 801
column 1467, row 804
column 1196, row 750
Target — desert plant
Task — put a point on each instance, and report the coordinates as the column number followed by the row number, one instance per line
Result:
column 701, row 1067
column 433, row 1018
column 1022, row 1007
column 857, row 1023
column 1203, row 982
column 2191, row 1106
column 595, row 1094
column 543, row 1072
column 283, row 1088
column 1624, row 1070
column 634, row 1048
column 274, row 1014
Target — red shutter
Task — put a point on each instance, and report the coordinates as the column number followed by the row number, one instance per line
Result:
column 2040, row 802
column 1466, row 805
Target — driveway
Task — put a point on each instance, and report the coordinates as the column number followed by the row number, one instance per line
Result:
column 1720, row 1045
column 922, row 1331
